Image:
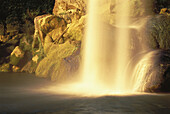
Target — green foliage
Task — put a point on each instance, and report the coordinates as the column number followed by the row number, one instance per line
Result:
column 16, row 12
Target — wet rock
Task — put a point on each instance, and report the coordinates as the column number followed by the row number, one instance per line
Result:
column 152, row 73
column 156, row 33
column 53, row 66
column 29, row 67
column 16, row 56
column 141, row 8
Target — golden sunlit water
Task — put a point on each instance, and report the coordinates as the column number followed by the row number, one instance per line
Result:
column 99, row 76
column 122, row 38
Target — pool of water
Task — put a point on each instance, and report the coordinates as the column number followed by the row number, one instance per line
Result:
column 20, row 93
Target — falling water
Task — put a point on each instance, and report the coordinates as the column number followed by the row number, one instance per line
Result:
column 101, row 75
column 147, row 73
column 93, row 60
column 91, row 52
column 122, row 38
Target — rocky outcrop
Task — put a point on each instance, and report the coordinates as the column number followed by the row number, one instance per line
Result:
column 155, row 33
column 60, row 61
column 62, row 6
column 61, row 36
column 62, row 52
column 70, row 10
column 45, row 24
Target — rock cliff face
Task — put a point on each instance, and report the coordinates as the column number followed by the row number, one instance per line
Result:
column 62, row 6
column 60, row 36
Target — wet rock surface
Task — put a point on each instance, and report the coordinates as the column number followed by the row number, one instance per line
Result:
column 152, row 71
column 156, row 33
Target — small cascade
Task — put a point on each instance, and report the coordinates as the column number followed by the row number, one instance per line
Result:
column 146, row 71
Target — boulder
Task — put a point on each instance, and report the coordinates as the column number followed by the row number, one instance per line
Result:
column 16, row 55
column 54, row 66
column 45, row 24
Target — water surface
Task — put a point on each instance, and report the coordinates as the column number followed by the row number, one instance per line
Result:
column 19, row 93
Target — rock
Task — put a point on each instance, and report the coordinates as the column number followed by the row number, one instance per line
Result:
column 26, row 42
column 73, row 32
column 138, row 9
column 15, row 69
column 76, row 29
column 165, row 11
column 30, row 67
column 156, row 33
column 70, row 10
column 52, row 22
column 68, row 68
column 45, row 24
column 35, row 59
column 141, row 8
column 52, row 66
column 65, row 5
column 16, row 56
column 5, row 67
column 17, row 52
column 61, row 61
column 152, row 73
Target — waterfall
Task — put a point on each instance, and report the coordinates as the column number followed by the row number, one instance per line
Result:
column 95, row 67
column 106, row 54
